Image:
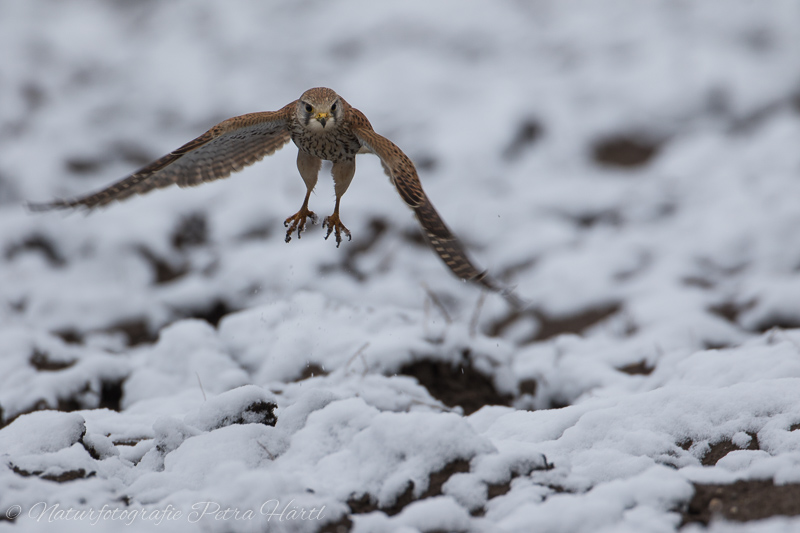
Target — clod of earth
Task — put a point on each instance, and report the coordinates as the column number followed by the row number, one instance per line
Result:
column 456, row 384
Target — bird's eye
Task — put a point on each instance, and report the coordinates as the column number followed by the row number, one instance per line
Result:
column 309, row 109
column 333, row 107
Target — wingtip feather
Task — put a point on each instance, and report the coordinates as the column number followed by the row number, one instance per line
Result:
column 39, row 207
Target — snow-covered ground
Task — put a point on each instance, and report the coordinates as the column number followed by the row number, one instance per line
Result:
column 632, row 167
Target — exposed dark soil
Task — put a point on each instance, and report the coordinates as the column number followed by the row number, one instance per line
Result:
column 742, row 501
column 366, row 503
column 718, row 450
column 597, row 218
column 528, row 132
column 110, row 395
column 495, row 490
column 259, row 412
column 777, row 321
column 37, row 243
column 343, row 525
column 721, row 449
column 552, row 326
column 136, row 330
column 456, row 385
column 642, row 368
column 109, row 398
column 191, row 230
column 577, row 323
column 625, row 150
column 311, row 370
column 730, row 311
column 70, row 336
column 212, row 314
column 41, row 361
column 164, row 271
column 67, row 475
column 258, row 232
column 528, row 386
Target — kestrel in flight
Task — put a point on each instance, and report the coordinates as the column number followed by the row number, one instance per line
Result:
column 323, row 126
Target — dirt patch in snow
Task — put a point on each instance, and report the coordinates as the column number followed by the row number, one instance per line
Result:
column 721, row 449
column 625, row 150
column 367, row 504
column 212, row 313
column 642, row 368
column 108, row 397
column 549, row 326
column 37, row 243
column 528, row 132
column 63, row 477
column 742, row 501
column 456, row 384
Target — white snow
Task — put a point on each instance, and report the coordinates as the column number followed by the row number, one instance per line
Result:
column 92, row 90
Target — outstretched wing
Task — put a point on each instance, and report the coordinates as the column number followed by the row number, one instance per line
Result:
column 228, row 147
column 403, row 174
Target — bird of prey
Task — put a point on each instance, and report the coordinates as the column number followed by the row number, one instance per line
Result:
column 323, row 126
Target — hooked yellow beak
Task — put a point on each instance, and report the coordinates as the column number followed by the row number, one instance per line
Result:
column 322, row 117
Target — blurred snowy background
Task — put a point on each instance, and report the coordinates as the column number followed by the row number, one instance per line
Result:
column 632, row 167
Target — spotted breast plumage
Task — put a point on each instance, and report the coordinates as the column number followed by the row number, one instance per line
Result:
column 323, row 126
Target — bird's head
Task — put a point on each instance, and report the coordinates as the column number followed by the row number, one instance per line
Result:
column 320, row 109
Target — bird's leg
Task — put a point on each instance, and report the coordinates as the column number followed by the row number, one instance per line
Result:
column 335, row 225
column 342, row 176
column 308, row 165
column 298, row 220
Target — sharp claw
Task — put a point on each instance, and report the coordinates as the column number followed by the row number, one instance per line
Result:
column 298, row 222
column 336, row 227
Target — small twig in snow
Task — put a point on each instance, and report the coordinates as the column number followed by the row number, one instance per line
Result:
column 426, row 306
column 201, row 386
column 473, row 323
column 438, row 303
column 438, row 406
column 359, row 353
column 271, row 456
